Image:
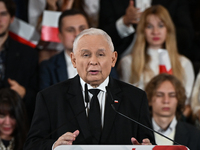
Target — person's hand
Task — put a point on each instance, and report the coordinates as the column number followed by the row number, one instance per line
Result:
column 144, row 142
column 14, row 85
column 66, row 139
column 67, row 4
column 52, row 4
column 132, row 15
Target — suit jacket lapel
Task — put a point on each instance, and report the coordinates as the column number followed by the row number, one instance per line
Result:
column 61, row 69
column 181, row 135
column 75, row 97
column 110, row 114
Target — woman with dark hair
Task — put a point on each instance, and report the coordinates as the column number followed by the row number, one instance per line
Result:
column 13, row 121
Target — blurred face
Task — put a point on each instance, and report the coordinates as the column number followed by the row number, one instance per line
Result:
column 155, row 32
column 71, row 27
column 93, row 59
column 164, row 102
column 5, row 20
column 7, row 126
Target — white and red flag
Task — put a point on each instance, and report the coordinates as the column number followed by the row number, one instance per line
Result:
column 49, row 31
column 164, row 62
column 24, row 33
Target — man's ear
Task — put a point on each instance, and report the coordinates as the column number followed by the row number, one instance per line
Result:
column 12, row 19
column 60, row 36
column 73, row 59
column 114, row 58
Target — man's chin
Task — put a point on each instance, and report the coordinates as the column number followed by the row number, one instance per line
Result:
column 95, row 82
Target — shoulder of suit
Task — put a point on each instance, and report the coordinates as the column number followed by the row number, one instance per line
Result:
column 54, row 58
column 189, row 127
column 64, row 85
column 21, row 47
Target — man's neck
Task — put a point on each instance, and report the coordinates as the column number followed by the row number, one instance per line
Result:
column 2, row 40
column 163, row 122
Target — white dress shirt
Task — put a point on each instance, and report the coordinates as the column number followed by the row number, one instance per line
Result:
column 101, row 96
column 169, row 132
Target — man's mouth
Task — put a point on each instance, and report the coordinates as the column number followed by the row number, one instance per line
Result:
column 94, row 72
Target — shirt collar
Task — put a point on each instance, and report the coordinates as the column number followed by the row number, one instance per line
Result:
column 67, row 58
column 171, row 127
column 101, row 87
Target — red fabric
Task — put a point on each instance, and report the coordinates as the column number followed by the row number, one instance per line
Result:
column 159, row 147
column 21, row 40
column 163, row 69
column 50, row 34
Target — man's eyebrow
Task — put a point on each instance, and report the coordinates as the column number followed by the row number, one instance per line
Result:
column 101, row 49
column 3, row 12
column 159, row 92
column 84, row 50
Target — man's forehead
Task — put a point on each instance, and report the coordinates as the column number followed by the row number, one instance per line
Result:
column 97, row 50
column 2, row 6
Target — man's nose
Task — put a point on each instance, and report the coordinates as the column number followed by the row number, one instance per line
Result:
column 93, row 60
column 166, row 99
column 76, row 32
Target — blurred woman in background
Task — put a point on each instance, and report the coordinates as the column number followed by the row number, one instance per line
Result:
column 13, row 121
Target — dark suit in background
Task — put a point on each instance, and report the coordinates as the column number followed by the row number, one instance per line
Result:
column 21, row 64
column 112, row 10
column 54, row 70
column 187, row 135
column 63, row 104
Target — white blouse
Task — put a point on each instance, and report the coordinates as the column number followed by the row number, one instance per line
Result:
column 125, row 71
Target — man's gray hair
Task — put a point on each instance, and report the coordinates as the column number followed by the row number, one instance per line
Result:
column 93, row 31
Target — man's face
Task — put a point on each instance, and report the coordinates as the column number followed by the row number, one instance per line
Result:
column 93, row 59
column 71, row 27
column 5, row 20
column 164, row 102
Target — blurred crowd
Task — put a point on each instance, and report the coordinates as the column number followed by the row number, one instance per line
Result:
column 148, row 35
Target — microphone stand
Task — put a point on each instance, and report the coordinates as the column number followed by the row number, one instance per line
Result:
column 135, row 120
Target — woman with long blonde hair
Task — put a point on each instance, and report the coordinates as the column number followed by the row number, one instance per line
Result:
column 155, row 31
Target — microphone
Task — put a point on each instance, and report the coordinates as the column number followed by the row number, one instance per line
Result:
column 108, row 90
column 86, row 100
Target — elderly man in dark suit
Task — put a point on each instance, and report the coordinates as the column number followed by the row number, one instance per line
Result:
column 67, row 107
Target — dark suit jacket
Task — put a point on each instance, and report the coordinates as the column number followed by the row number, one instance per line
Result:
column 187, row 135
column 63, row 104
column 22, row 65
column 112, row 10
column 54, row 70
